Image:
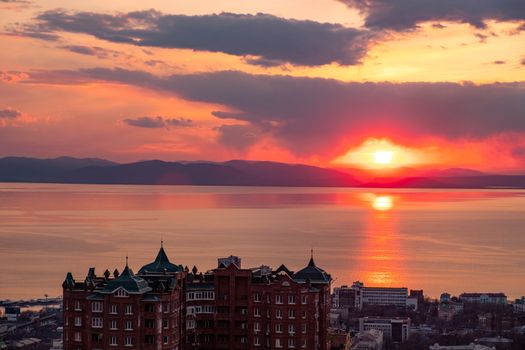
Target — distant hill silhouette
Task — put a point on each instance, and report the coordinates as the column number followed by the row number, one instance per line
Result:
column 156, row 172
column 234, row 173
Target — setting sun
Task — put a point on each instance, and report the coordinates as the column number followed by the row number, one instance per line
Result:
column 382, row 203
column 383, row 157
column 384, row 154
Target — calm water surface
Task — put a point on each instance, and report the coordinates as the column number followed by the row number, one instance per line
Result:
column 436, row 240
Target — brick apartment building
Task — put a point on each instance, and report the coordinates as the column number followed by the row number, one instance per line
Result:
column 166, row 306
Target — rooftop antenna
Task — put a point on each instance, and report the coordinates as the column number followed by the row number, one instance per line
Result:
column 312, row 253
column 126, row 259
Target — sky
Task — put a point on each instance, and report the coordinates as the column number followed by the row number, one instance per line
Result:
column 338, row 83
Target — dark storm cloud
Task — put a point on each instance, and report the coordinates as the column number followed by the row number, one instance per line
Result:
column 407, row 14
column 158, row 122
column 9, row 113
column 313, row 115
column 265, row 39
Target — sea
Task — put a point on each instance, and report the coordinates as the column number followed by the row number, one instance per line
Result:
column 437, row 240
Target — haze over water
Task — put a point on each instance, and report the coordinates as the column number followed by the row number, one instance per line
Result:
column 436, row 240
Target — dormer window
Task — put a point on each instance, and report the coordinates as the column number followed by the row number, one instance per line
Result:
column 121, row 293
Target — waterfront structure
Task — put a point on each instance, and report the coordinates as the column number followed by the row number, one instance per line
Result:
column 166, row 306
column 483, row 298
column 396, row 329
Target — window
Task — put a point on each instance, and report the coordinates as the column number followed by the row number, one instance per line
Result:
column 244, row 325
column 113, row 324
column 304, row 343
column 279, row 313
column 244, row 311
column 149, row 307
column 303, row 328
column 278, row 328
column 149, row 323
column 256, row 326
column 190, row 324
column 244, row 340
column 291, row 299
column 78, row 336
column 96, row 322
column 165, row 323
column 129, row 325
column 113, row 341
column 291, row 329
column 257, row 297
column 113, row 309
column 121, row 293
column 291, row 313
column 303, row 314
column 166, row 308
column 129, row 340
column 78, row 305
column 129, row 309
column 149, row 339
column 278, row 299
column 165, row 339
column 256, row 341
column 257, row 312
column 78, row 321
column 303, row 299
column 278, row 343
column 96, row 306
column 291, row 342
column 203, row 295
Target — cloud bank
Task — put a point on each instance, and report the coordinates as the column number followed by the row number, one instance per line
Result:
column 158, row 122
column 316, row 116
column 407, row 14
column 262, row 39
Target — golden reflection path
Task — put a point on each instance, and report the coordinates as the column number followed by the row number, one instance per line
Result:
column 381, row 261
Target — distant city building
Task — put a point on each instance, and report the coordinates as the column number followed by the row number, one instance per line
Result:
column 166, row 306
column 444, row 298
column 344, row 297
column 471, row 346
column 339, row 339
column 368, row 340
column 483, row 298
column 412, row 302
column 417, row 293
column 519, row 305
column 447, row 310
column 12, row 313
column 382, row 296
column 395, row 329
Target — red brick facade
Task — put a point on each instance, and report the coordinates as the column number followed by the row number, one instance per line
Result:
column 225, row 308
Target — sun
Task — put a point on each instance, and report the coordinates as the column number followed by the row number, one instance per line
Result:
column 383, row 157
column 382, row 203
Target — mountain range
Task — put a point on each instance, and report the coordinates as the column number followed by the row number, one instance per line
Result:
column 239, row 173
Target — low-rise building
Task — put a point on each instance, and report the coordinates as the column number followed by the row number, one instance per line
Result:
column 483, row 298
column 396, row 329
column 379, row 295
column 368, row 340
column 447, row 310
column 471, row 346
column 519, row 305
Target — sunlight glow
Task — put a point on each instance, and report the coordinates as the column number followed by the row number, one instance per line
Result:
column 383, row 157
column 384, row 154
column 382, row 203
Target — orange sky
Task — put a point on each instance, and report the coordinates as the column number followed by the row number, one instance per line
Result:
column 82, row 92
